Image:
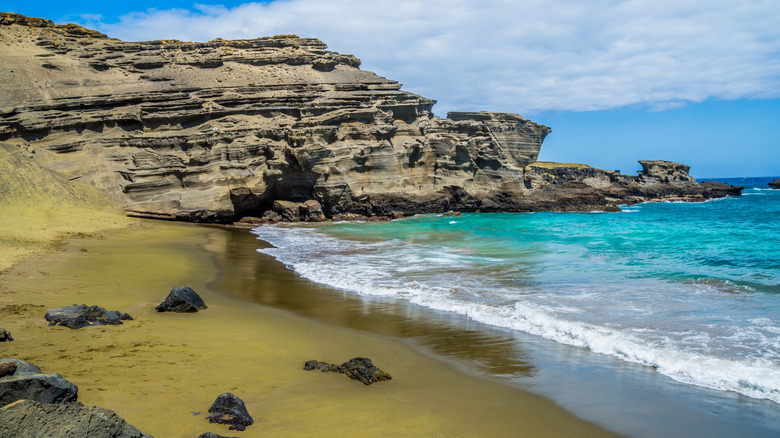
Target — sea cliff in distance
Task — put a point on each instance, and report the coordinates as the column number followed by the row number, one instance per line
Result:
column 278, row 128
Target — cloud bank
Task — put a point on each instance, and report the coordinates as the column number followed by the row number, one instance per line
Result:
column 524, row 56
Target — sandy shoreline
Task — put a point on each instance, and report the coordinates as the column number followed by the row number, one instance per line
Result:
column 155, row 371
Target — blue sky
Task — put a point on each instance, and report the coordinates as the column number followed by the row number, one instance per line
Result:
column 692, row 81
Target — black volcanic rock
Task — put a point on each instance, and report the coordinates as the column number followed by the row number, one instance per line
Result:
column 775, row 184
column 229, row 409
column 5, row 335
column 712, row 189
column 78, row 316
column 358, row 368
column 213, row 435
column 28, row 382
column 182, row 300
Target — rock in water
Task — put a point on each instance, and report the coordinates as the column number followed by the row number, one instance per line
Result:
column 75, row 316
column 775, row 184
column 29, row 382
column 182, row 300
column 358, row 368
column 229, row 409
column 577, row 187
column 5, row 335
column 31, row 419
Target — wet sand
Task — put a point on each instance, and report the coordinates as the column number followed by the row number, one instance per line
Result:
column 159, row 369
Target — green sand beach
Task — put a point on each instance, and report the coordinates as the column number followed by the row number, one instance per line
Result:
column 159, row 369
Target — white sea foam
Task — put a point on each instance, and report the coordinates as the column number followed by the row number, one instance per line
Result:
column 418, row 274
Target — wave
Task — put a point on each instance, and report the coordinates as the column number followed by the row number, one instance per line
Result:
column 416, row 274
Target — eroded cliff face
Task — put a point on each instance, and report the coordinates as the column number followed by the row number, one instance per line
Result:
column 220, row 130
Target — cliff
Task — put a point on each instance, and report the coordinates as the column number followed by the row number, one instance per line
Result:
column 221, row 130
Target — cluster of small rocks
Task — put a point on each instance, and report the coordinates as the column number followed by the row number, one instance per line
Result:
column 36, row 404
column 32, row 402
column 180, row 300
column 311, row 211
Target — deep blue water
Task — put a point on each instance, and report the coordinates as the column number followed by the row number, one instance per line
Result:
column 691, row 290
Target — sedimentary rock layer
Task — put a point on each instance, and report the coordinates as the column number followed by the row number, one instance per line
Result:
column 219, row 130
column 277, row 126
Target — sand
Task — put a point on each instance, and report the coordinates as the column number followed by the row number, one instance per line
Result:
column 66, row 245
column 39, row 208
column 159, row 369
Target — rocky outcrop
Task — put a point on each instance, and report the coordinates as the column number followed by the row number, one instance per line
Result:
column 27, row 381
column 31, row 419
column 220, row 130
column 230, row 410
column 358, row 368
column 182, row 300
column 774, row 184
column 603, row 189
column 78, row 316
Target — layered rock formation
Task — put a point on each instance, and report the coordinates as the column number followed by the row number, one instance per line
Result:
column 222, row 130
column 219, row 130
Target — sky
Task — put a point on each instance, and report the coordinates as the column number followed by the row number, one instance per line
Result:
column 693, row 81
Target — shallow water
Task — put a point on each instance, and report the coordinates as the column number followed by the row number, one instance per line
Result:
column 663, row 292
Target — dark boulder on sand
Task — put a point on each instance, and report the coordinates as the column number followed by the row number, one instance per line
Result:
column 31, row 419
column 76, row 317
column 5, row 335
column 214, row 435
column 27, row 381
column 229, row 409
column 358, row 368
column 182, row 300
column 775, row 184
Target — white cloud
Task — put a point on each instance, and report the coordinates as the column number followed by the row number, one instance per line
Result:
column 525, row 56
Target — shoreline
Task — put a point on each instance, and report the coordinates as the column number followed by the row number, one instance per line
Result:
column 156, row 370
column 629, row 398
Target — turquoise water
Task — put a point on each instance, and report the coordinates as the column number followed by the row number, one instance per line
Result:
column 690, row 289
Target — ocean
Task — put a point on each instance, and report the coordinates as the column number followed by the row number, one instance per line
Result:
column 673, row 308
